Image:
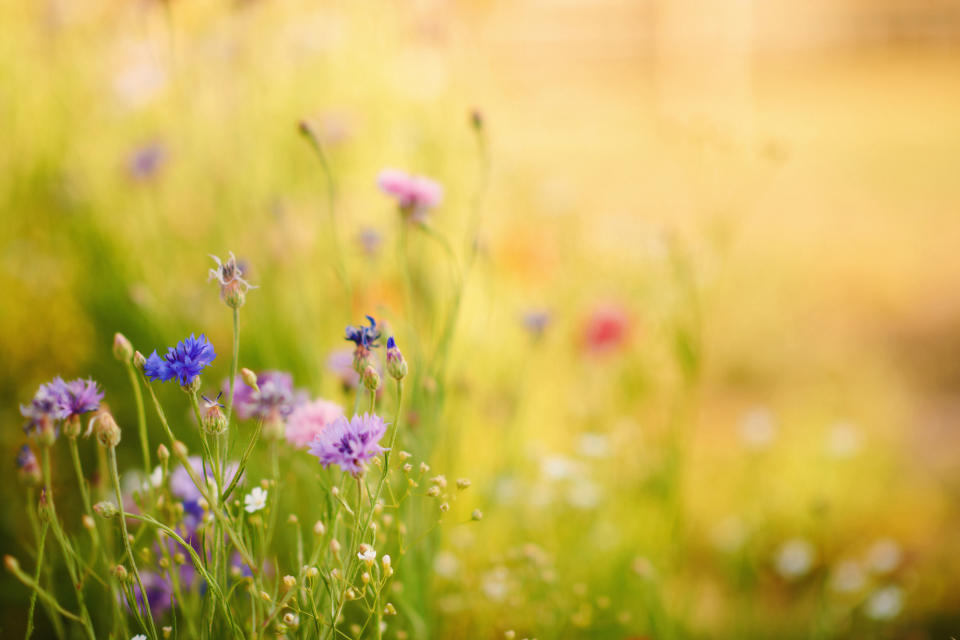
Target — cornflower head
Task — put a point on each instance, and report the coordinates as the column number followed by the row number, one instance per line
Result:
column 415, row 195
column 184, row 362
column 212, row 419
column 396, row 364
column 77, row 397
column 309, row 419
column 233, row 288
column 28, row 467
column 365, row 338
column 350, row 444
column 45, row 409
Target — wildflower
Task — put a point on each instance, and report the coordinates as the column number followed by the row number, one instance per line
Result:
column 145, row 162
column 106, row 509
column 536, row 322
column 794, row 558
column 29, row 468
column 606, row 329
column 368, row 555
column 271, row 398
column 415, row 195
column 371, row 379
column 885, row 603
column 233, row 288
column 255, row 500
column 212, row 418
column 594, row 445
column 45, row 408
column 463, row 483
column 184, row 362
column 847, row 577
column 350, row 444
column 139, row 636
column 884, row 556
column 309, row 419
column 365, row 338
column 396, row 365
column 758, row 428
column 291, row 619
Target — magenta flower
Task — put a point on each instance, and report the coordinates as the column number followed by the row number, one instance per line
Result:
column 415, row 195
column 307, row 421
column 78, row 396
column 350, row 444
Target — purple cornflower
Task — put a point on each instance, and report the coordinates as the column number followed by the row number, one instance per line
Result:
column 28, row 465
column 145, row 162
column 45, row 408
column 364, row 336
column 350, row 444
column 415, row 195
column 78, row 396
column 183, row 362
column 276, row 395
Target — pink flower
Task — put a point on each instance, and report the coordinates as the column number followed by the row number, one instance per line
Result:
column 606, row 329
column 415, row 195
column 309, row 419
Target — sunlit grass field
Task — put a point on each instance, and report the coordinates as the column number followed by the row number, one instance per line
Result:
column 685, row 317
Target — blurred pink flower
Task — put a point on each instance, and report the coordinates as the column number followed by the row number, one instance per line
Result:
column 606, row 329
column 415, row 195
column 309, row 419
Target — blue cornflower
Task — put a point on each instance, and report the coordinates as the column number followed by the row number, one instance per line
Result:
column 364, row 336
column 183, row 362
column 350, row 444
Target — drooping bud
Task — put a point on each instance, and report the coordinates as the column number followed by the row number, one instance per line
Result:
column 11, row 563
column 106, row 509
column 249, row 378
column 396, row 364
column 361, row 359
column 122, row 349
column 107, row 430
column 139, row 361
column 371, row 379
column 179, row 450
column 163, row 453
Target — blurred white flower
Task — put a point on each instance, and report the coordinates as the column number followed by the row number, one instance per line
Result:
column 156, row 477
column 794, row 558
column 843, row 440
column 445, row 564
column 884, row 556
column 729, row 534
column 848, row 577
column 885, row 603
column 255, row 500
column 584, row 495
column 758, row 429
column 557, row 467
column 594, row 445
column 495, row 584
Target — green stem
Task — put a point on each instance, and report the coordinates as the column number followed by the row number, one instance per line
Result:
column 234, row 362
column 40, row 591
column 36, row 579
column 141, row 417
column 243, row 461
column 112, row 458
column 84, row 493
column 64, row 545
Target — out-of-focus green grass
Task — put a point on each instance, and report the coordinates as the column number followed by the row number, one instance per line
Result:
column 804, row 262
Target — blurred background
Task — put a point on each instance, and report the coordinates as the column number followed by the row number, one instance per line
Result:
column 704, row 376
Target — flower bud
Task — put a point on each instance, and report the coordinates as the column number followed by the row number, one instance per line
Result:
column 139, row 361
column 311, row 572
column 179, row 450
column 71, row 427
column 371, row 379
column 265, row 596
column 122, row 349
column 120, row 573
column 424, row 467
column 289, row 582
column 365, row 577
column 167, row 632
column 476, row 515
column 291, row 619
column 463, row 483
column 163, row 453
column 193, row 386
column 389, row 609
column 444, row 507
column 319, row 529
column 11, row 563
column 106, row 509
column 88, row 522
column 212, row 419
column 433, row 491
column 335, row 546
column 107, row 430
column 234, row 294
column 28, row 467
column 249, row 378
column 396, row 364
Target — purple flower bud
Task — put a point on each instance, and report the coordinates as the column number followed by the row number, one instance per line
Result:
column 396, row 364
